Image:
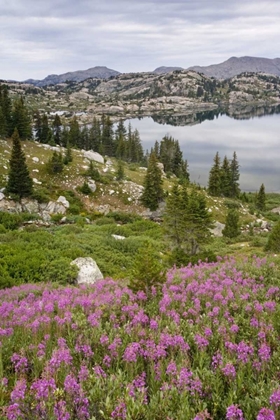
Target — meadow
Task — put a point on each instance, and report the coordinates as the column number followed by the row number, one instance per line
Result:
column 203, row 345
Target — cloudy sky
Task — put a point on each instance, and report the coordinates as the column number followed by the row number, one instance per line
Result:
column 38, row 38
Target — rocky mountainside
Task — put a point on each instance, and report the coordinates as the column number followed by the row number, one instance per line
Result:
column 237, row 65
column 140, row 94
column 99, row 72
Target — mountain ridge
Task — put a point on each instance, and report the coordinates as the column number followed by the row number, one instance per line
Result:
column 225, row 70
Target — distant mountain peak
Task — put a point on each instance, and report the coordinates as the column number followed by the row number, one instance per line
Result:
column 99, row 72
column 236, row 65
column 164, row 69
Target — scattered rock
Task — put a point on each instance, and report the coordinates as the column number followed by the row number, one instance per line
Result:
column 2, row 196
column 118, row 237
column 89, row 271
column 35, row 180
column 217, row 230
column 91, row 155
column 62, row 200
column 92, row 185
column 36, row 159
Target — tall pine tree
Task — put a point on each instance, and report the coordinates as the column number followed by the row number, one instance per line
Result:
column 19, row 182
column 153, row 192
column 214, row 182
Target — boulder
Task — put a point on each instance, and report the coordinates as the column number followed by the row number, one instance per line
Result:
column 35, row 159
column 89, row 271
column 2, row 196
column 91, row 155
column 217, row 230
column 118, row 237
column 92, row 185
column 62, row 200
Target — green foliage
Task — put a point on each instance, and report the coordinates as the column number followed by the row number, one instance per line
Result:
column 153, row 191
column 169, row 153
column 68, row 155
column 93, row 172
column 231, row 229
column 261, row 199
column 214, row 182
column 186, row 220
column 120, row 171
column 19, row 181
column 55, row 163
column 41, row 195
column 85, row 189
column 147, row 271
column 273, row 243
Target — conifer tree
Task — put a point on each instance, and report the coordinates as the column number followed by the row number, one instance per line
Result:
column 225, row 178
column 55, row 163
column 19, row 182
column 21, row 119
column 56, row 126
column 147, row 271
column 214, row 182
column 273, row 243
column 120, row 171
column 68, row 155
column 175, row 216
column 261, row 198
column 187, row 222
column 231, row 229
column 234, row 177
column 153, row 192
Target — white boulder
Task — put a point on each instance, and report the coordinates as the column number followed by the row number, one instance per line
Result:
column 89, row 271
column 91, row 155
column 62, row 200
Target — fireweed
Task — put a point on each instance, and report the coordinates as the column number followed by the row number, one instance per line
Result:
column 205, row 346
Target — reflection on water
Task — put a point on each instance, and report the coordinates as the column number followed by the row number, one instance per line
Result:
column 255, row 140
column 239, row 113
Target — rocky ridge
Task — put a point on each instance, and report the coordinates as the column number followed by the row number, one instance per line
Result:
column 142, row 94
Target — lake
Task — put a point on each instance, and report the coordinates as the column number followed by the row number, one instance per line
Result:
column 254, row 137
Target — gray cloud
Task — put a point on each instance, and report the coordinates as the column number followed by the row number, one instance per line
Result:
column 40, row 38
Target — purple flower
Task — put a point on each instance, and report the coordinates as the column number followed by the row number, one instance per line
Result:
column 13, row 412
column 60, row 411
column 201, row 341
column 275, row 398
column 18, row 392
column 229, row 370
column 234, row 413
column 119, row 412
column 264, row 352
column 266, row 414
column 43, row 388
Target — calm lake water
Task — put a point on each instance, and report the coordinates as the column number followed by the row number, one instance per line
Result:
column 255, row 139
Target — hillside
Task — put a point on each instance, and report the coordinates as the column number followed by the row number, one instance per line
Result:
column 140, row 94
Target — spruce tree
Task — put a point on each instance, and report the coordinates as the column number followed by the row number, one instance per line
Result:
column 55, row 163
column 56, row 126
column 234, row 177
column 21, row 119
column 120, row 171
column 273, row 243
column 175, row 216
column 153, row 192
column 214, row 182
column 231, row 229
column 19, row 182
column 147, row 271
column 187, row 221
column 68, row 155
column 225, row 178
column 261, row 198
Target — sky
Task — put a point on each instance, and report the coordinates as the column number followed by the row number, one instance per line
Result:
column 38, row 38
